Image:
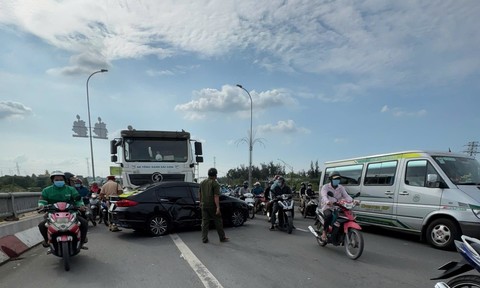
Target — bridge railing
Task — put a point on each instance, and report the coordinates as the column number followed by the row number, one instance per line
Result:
column 14, row 203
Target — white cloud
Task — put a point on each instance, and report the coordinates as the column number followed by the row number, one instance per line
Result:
column 368, row 39
column 10, row 109
column 399, row 112
column 231, row 99
column 287, row 126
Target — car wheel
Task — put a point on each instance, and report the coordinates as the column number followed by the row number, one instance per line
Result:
column 237, row 218
column 158, row 225
column 441, row 233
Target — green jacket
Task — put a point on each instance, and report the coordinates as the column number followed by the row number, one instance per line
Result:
column 209, row 188
column 53, row 194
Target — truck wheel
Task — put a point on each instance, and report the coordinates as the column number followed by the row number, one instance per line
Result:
column 441, row 233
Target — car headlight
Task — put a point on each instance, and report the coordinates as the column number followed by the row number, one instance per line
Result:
column 475, row 210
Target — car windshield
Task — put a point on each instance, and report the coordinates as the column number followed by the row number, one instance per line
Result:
column 460, row 170
column 156, row 150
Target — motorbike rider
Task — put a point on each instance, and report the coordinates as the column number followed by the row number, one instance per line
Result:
column 82, row 190
column 267, row 196
column 243, row 190
column 303, row 188
column 111, row 189
column 60, row 192
column 309, row 192
column 256, row 191
column 94, row 188
column 280, row 189
column 339, row 193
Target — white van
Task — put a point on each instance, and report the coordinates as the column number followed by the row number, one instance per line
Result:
column 433, row 194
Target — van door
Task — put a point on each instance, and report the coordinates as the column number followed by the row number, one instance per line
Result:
column 415, row 199
column 377, row 194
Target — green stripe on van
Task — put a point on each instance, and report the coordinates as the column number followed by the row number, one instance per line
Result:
column 388, row 157
column 382, row 221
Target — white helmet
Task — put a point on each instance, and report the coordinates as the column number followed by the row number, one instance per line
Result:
column 57, row 173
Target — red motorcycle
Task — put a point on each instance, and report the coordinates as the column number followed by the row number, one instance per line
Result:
column 63, row 231
column 344, row 229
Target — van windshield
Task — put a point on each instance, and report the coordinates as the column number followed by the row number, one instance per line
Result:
column 460, row 170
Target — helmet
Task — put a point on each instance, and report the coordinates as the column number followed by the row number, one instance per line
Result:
column 280, row 178
column 212, row 172
column 68, row 175
column 257, row 183
column 78, row 181
column 57, row 173
column 302, row 184
column 334, row 174
column 245, row 183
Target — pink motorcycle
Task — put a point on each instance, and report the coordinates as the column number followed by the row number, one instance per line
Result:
column 63, row 231
column 344, row 229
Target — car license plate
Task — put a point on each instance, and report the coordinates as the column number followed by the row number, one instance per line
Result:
column 112, row 206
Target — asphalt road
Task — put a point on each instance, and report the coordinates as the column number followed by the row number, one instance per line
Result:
column 255, row 256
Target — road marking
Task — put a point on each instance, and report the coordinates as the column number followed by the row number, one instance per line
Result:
column 207, row 278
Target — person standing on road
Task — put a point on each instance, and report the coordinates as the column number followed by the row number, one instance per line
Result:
column 209, row 196
column 109, row 189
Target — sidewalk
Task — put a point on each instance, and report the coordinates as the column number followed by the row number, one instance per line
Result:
column 16, row 237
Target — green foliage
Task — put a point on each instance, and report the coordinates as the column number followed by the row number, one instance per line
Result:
column 23, row 183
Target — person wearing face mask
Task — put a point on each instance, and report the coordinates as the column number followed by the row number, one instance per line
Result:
column 82, row 190
column 339, row 193
column 60, row 192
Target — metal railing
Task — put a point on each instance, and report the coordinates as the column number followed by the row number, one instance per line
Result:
column 14, row 203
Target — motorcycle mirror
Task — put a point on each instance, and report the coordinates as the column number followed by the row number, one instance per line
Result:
column 356, row 195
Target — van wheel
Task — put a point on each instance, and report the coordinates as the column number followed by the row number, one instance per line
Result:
column 441, row 233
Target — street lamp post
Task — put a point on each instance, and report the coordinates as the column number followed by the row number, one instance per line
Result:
column 250, row 140
column 89, row 121
column 289, row 166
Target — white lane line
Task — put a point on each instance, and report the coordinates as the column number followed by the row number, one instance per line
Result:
column 207, row 278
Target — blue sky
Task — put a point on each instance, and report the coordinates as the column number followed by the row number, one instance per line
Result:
column 329, row 79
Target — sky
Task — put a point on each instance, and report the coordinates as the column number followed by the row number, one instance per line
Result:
column 328, row 80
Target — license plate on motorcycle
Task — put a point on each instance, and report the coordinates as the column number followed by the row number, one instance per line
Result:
column 112, row 206
column 62, row 220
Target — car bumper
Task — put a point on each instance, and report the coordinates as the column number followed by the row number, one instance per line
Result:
column 471, row 229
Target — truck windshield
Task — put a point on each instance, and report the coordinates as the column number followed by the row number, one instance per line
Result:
column 461, row 171
column 155, row 150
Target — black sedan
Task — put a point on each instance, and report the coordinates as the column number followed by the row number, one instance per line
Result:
column 160, row 207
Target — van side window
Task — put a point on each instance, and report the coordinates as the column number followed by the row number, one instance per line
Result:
column 382, row 173
column 349, row 175
column 417, row 171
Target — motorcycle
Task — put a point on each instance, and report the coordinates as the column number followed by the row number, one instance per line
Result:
column 469, row 248
column 250, row 200
column 344, row 229
column 310, row 208
column 104, row 213
column 63, row 231
column 285, row 213
column 261, row 204
column 94, row 209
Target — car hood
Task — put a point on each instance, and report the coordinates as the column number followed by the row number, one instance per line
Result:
column 471, row 190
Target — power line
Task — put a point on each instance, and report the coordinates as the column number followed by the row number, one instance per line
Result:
column 472, row 148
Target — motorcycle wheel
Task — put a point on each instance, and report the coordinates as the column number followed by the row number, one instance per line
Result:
column 251, row 212
column 289, row 224
column 354, row 243
column 65, row 256
column 464, row 281
column 320, row 231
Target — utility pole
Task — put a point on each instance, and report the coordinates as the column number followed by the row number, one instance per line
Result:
column 472, row 148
